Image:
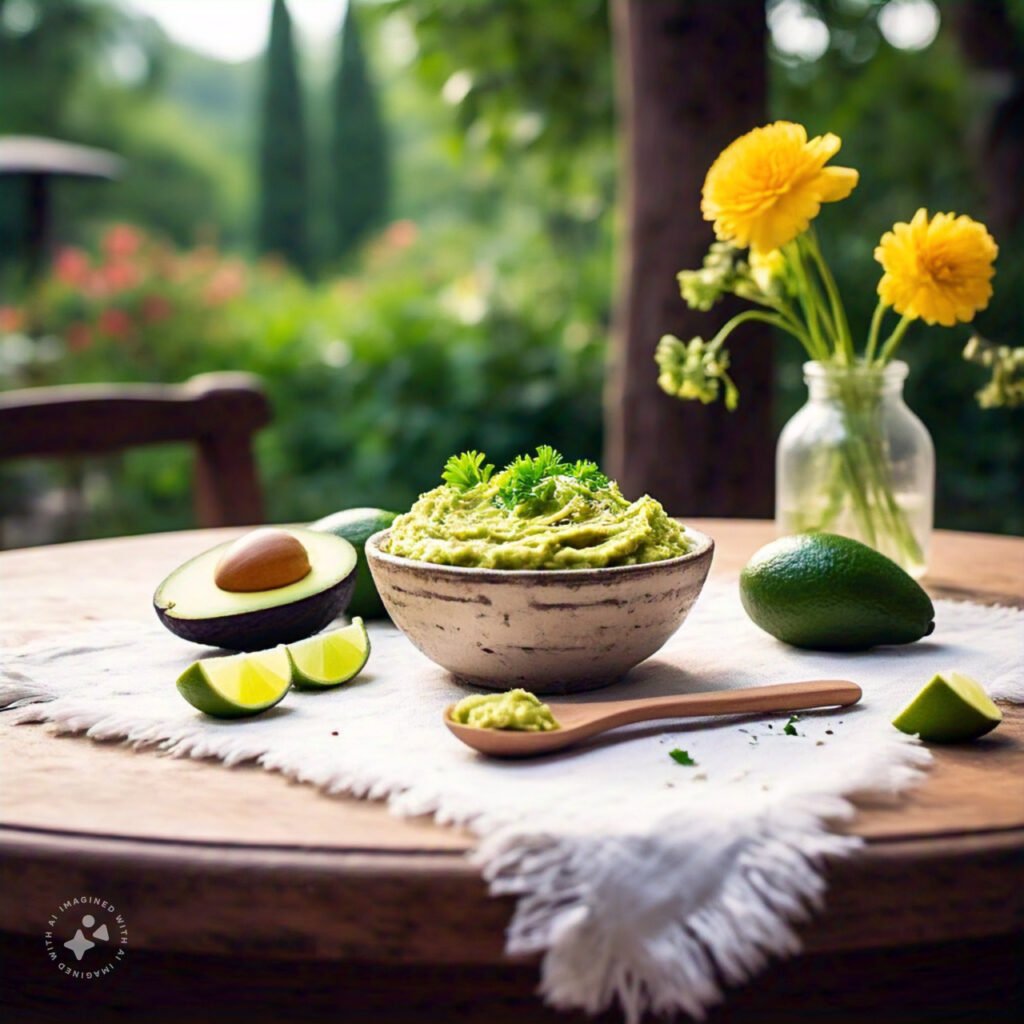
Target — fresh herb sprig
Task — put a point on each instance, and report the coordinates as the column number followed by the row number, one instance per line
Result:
column 587, row 473
column 467, row 470
column 532, row 477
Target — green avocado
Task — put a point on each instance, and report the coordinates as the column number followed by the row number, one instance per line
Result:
column 191, row 604
column 831, row 593
column 357, row 525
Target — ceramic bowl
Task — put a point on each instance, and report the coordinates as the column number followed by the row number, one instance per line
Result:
column 548, row 631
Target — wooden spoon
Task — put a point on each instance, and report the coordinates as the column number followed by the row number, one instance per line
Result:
column 581, row 721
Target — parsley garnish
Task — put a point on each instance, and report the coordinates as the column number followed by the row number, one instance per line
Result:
column 681, row 757
column 587, row 473
column 790, row 729
column 532, row 477
column 466, row 470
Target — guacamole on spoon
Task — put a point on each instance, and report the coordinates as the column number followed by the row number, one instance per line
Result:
column 540, row 512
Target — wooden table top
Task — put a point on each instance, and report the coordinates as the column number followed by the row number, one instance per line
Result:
column 196, row 852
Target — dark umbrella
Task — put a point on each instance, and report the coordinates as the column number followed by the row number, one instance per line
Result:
column 40, row 160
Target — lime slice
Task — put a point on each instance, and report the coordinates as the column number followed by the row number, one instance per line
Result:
column 239, row 685
column 329, row 659
column 950, row 709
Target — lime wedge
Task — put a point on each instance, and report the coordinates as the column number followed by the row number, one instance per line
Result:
column 329, row 659
column 950, row 709
column 239, row 685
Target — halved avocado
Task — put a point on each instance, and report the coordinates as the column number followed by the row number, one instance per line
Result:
column 190, row 604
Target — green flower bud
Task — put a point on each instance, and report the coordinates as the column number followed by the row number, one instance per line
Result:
column 694, row 370
column 1006, row 387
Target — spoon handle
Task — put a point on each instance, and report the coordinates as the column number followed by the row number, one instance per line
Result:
column 816, row 693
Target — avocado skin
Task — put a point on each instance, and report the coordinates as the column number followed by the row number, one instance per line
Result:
column 357, row 525
column 830, row 593
column 266, row 627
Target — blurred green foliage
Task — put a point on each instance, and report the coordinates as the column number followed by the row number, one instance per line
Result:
column 526, row 79
column 478, row 318
column 88, row 72
column 283, row 217
column 359, row 166
column 375, row 379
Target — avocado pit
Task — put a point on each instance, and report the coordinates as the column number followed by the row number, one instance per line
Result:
column 192, row 603
column 262, row 560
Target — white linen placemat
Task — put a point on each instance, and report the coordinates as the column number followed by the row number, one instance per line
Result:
column 638, row 879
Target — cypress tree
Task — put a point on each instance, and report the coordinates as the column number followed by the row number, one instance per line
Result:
column 360, row 172
column 283, row 226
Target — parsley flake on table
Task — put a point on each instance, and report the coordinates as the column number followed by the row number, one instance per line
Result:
column 681, row 757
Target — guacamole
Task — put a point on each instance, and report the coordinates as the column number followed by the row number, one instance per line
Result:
column 515, row 709
column 540, row 512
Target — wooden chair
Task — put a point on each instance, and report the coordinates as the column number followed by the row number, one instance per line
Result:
column 219, row 412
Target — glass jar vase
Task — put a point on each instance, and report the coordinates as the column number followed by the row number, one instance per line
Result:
column 856, row 461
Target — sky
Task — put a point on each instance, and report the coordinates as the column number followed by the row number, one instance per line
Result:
column 235, row 30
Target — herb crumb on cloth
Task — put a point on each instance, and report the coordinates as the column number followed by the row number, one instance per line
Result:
column 681, row 757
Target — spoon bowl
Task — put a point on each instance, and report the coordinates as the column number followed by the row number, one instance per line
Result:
column 578, row 722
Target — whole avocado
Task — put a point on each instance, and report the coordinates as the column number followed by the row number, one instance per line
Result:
column 357, row 525
column 830, row 593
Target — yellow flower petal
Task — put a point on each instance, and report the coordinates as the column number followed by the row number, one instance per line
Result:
column 824, row 147
column 937, row 269
column 765, row 188
column 838, row 183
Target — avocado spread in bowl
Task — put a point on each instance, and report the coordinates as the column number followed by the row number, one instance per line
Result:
column 540, row 512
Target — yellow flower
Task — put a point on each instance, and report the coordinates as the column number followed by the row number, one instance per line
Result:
column 767, row 186
column 939, row 270
column 766, row 268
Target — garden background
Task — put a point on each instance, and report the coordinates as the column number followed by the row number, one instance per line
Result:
column 407, row 226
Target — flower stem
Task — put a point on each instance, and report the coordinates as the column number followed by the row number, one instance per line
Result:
column 839, row 320
column 815, row 296
column 793, row 324
column 773, row 319
column 860, row 479
column 876, row 323
column 817, row 346
column 892, row 342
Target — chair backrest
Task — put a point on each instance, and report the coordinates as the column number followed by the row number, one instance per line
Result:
column 218, row 412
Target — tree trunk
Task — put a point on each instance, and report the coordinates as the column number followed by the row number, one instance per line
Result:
column 692, row 77
column 991, row 43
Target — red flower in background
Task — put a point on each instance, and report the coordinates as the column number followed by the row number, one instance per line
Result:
column 400, row 234
column 11, row 319
column 122, row 241
column 156, row 308
column 79, row 337
column 71, row 267
column 228, row 282
column 119, row 276
column 115, row 322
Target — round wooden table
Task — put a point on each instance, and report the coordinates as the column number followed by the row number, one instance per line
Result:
column 253, row 897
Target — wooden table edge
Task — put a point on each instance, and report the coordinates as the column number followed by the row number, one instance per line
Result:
column 889, row 893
